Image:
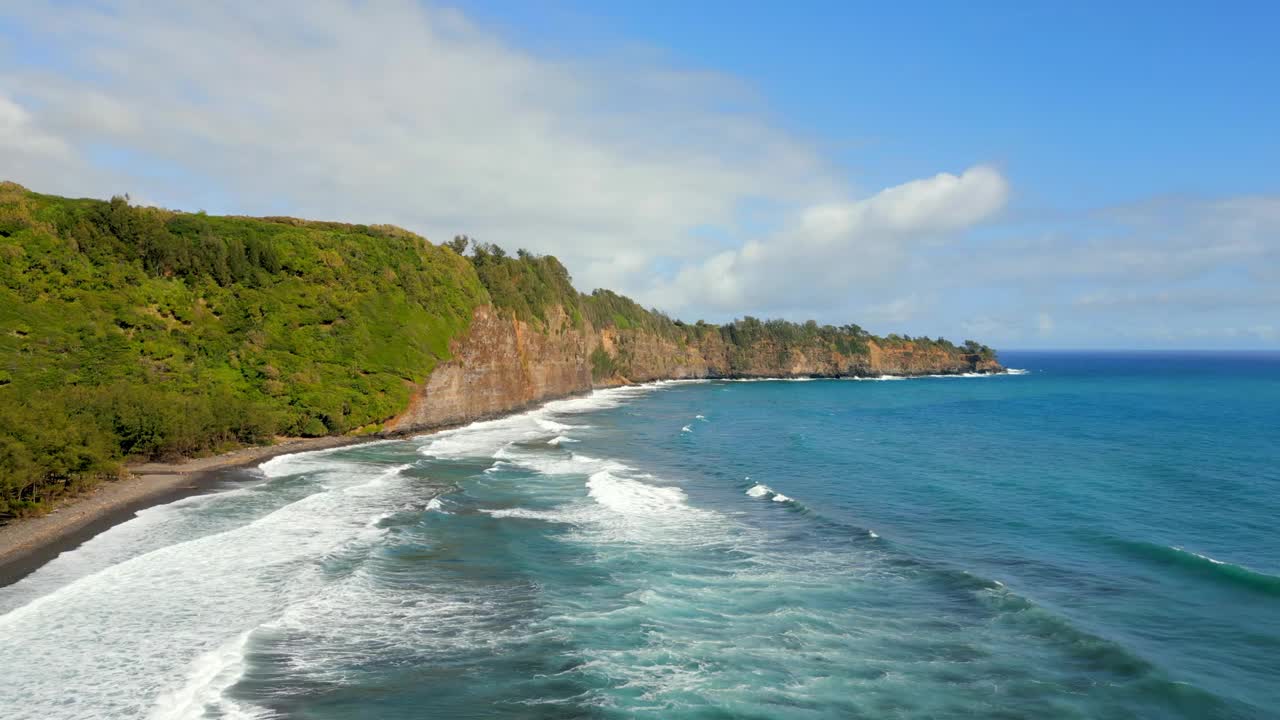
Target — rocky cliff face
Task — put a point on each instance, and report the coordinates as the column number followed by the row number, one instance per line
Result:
column 500, row 365
column 642, row 357
column 503, row 364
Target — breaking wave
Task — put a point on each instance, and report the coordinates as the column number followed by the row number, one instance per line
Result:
column 211, row 675
column 1205, row 566
column 760, row 490
column 484, row 438
column 166, row 627
column 578, row 583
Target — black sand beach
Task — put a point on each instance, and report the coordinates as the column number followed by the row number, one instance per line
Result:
column 27, row 544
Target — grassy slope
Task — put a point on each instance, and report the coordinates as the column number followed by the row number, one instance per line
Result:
column 134, row 332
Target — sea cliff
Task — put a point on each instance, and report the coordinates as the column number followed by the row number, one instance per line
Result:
column 502, row 364
column 131, row 334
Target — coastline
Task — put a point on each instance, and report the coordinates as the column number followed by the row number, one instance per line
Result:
column 27, row 544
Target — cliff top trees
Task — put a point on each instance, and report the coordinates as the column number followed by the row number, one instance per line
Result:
column 459, row 244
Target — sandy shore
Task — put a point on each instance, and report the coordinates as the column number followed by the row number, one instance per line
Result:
column 27, row 544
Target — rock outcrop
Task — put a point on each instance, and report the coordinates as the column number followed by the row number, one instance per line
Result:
column 503, row 364
column 500, row 365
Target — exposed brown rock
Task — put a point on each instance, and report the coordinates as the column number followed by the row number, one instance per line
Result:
column 500, row 365
column 503, row 364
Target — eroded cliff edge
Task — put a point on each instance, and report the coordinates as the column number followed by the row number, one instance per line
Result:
column 503, row 364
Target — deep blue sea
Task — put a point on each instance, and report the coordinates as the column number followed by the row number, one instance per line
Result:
column 1095, row 537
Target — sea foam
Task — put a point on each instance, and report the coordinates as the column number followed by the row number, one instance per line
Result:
column 166, row 626
column 484, row 438
column 210, row 675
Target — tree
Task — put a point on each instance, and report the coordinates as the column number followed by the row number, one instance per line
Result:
column 459, row 244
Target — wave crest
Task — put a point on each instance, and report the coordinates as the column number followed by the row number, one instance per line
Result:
column 1203, row 565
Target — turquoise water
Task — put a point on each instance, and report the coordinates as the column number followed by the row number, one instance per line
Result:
column 1094, row 538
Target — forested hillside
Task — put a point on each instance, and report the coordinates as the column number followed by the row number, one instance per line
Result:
column 137, row 332
column 130, row 333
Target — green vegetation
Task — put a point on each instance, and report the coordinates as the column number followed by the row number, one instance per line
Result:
column 973, row 348
column 602, row 364
column 606, row 308
column 749, row 335
column 131, row 333
column 138, row 333
column 528, row 285
column 970, row 347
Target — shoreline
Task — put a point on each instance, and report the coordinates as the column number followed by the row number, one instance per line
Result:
column 27, row 544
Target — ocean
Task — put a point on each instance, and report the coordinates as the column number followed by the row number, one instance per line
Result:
column 1091, row 537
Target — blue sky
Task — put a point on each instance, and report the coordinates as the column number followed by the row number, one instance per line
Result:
column 1094, row 103
column 1030, row 175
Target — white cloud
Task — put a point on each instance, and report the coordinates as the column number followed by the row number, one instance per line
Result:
column 937, row 204
column 623, row 167
column 19, row 136
column 1145, row 274
column 893, row 313
column 1184, row 299
column 27, row 150
column 1166, row 240
column 987, row 327
column 827, row 249
column 392, row 112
